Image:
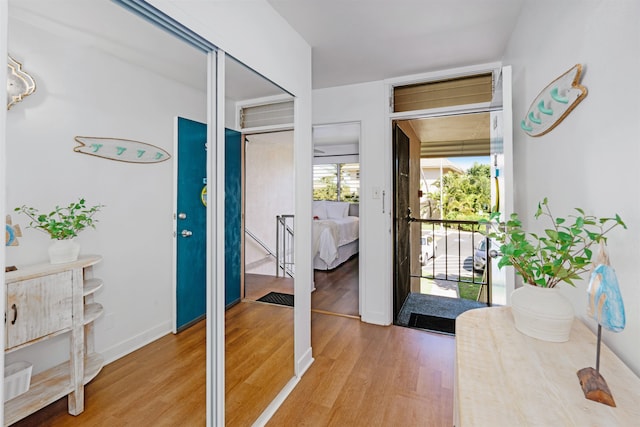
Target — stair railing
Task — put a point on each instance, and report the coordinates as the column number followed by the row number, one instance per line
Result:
column 284, row 245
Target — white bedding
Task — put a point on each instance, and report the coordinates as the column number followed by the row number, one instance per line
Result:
column 330, row 234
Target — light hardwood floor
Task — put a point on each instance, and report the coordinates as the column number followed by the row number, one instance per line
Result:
column 259, row 358
column 363, row 375
column 337, row 290
column 368, row 375
column 162, row 384
column 258, row 285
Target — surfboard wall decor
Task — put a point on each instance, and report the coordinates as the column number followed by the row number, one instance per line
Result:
column 554, row 103
column 122, row 150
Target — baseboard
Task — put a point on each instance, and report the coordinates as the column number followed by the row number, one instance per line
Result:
column 376, row 319
column 132, row 344
column 304, row 362
column 266, row 415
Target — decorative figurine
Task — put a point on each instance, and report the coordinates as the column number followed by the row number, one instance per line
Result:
column 605, row 307
column 11, row 233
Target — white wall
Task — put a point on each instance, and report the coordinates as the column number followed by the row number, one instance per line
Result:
column 365, row 103
column 83, row 91
column 591, row 159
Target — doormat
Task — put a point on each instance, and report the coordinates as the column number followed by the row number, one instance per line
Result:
column 277, row 298
column 436, row 309
column 432, row 323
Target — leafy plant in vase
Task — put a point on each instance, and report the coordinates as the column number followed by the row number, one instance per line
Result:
column 562, row 254
column 63, row 224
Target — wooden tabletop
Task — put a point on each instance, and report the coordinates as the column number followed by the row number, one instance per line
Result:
column 504, row 378
column 43, row 269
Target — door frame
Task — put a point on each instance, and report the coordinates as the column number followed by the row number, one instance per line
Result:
column 497, row 69
column 174, row 264
column 401, row 277
column 362, row 202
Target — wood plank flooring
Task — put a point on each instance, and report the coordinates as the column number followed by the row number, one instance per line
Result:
column 259, row 358
column 337, row 289
column 161, row 384
column 369, row 375
column 258, row 285
column 363, row 375
column 164, row 383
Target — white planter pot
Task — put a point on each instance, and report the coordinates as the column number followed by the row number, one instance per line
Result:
column 62, row 251
column 542, row 313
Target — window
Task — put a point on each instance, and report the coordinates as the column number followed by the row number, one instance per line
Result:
column 443, row 93
column 337, row 181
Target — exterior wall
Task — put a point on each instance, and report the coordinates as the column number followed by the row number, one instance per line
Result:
column 591, row 159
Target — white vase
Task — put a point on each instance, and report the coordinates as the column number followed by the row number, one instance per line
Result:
column 62, row 251
column 542, row 313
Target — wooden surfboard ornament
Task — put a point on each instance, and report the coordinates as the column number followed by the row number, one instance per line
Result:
column 122, row 150
column 554, row 103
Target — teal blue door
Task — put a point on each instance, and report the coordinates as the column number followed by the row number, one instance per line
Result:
column 191, row 239
column 232, row 215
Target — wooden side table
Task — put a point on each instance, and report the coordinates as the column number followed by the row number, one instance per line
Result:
column 505, row 378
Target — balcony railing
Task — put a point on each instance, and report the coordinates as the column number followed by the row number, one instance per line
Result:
column 451, row 252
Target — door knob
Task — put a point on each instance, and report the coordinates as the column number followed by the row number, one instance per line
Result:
column 186, row 233
column 182, row 215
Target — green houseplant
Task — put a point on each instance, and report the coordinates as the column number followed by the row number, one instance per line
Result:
column 62, row 224
column 562, row 253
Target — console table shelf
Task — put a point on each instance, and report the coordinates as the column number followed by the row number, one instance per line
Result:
column 44, row 301
column 504, row 378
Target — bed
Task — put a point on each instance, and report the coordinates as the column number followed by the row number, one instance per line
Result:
column 335, row 233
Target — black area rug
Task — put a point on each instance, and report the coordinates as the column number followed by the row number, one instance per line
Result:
column 277, row 298
column 432, row 312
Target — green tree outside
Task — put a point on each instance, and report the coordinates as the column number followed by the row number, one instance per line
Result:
column 466, row 197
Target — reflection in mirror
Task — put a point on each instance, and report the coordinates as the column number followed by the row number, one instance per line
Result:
column 336, row 213
column 259, row 358
column 104, row 72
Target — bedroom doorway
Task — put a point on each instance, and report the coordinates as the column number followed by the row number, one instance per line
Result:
column 336, row 219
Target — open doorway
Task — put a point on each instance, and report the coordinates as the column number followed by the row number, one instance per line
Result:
column 446, row 170
column 441, row 189
column 336, row 219
column 268, row 200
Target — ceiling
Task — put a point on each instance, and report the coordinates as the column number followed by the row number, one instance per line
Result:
column 466, row 135
column 370, row 40
column 355, row 41
column 106, row 26
column 352, row 41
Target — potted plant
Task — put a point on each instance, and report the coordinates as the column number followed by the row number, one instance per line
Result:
column 63, row 224
column 562, row 254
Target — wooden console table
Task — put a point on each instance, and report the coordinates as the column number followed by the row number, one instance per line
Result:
column 504, row 378
column 43, row 301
